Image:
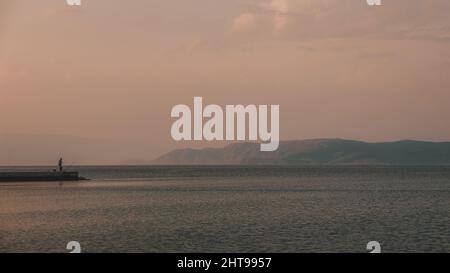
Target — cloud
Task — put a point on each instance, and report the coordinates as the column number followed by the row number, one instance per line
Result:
column 270, row 16
column 306, row 19
column 280, row 18
column 245, row 22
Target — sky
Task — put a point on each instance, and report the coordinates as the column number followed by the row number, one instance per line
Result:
column 112, row 70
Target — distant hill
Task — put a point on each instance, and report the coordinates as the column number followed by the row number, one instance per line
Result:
column 316, row 152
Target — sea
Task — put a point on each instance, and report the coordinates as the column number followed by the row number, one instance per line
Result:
column 245, row 209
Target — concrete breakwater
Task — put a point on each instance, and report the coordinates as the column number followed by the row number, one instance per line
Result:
column 39, row 176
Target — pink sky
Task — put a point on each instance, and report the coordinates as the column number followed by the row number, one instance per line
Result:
column 113, row 69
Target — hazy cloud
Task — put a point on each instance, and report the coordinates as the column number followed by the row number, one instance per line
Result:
column 245, row 22
column 303, row 19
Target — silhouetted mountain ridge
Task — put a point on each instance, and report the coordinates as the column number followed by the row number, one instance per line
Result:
column 316, row 152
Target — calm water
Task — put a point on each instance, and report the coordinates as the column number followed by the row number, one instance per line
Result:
column 229, row 209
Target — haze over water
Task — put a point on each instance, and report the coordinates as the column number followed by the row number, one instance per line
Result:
column 231, row 209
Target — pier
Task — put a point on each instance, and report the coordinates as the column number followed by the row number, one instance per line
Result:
column 39, row 176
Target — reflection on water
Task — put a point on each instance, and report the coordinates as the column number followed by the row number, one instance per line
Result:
column 230, row 209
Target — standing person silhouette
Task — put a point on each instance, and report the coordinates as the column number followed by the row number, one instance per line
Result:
column 60, row 164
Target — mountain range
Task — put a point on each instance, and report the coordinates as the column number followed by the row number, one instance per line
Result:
column 316, row 152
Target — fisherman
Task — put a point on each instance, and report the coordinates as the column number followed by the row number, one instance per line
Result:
column 60, row 164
